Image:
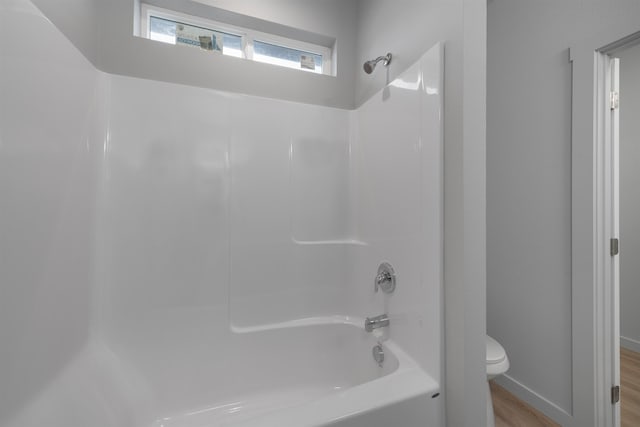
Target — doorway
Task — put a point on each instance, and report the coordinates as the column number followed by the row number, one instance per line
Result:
column 617, row 192
column 628, row 104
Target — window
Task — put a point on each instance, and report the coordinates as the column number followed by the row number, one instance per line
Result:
column 176, row 28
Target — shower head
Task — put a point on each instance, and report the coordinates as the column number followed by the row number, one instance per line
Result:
column 369, row 66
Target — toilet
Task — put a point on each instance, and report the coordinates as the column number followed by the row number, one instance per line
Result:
column 497, row 364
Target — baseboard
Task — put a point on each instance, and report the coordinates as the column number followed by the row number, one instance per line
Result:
column 532, row 398
column 630, row 344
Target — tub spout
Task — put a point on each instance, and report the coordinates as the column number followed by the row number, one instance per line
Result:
column 376, row 322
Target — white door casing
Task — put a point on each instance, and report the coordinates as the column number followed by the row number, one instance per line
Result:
column 611, row 172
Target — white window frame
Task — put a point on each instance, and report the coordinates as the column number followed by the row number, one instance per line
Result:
column 248, row 35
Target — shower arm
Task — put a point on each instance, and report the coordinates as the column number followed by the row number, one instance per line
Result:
column 386, row 59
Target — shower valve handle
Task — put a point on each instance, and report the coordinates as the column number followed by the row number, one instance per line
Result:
column 385, row 279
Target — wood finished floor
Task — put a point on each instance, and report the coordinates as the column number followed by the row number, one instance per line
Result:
column 513, row 412
column 630, row 388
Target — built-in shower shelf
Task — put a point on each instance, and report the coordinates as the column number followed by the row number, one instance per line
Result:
column 330, row 242
column 297, row 323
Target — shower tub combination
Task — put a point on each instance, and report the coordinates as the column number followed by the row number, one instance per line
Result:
column 150, row 307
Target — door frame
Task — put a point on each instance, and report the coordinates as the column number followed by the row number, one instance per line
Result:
column 595, row 311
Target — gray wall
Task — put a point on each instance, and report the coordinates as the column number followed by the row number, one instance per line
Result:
column 529, row 277
column 630, row 197
column 407, row 28
column 103, row 31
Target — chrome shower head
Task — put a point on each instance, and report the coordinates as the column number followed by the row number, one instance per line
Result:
column 369, row 66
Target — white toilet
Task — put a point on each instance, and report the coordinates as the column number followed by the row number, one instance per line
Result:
column 497, row 364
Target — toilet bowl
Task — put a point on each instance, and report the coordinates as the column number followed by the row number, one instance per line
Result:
column 497, row 364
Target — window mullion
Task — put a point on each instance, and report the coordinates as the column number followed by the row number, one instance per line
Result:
column 249, row 44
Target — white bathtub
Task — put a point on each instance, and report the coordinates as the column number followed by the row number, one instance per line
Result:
column 315, row 372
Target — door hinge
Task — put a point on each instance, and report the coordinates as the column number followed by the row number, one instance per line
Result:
column 615, row 394
column 615, row 247
column 614, row 99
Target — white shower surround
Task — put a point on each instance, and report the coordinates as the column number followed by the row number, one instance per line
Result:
column 215, row 237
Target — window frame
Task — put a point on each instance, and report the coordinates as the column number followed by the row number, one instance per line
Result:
column 248, row 36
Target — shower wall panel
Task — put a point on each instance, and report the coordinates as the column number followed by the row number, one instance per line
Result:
column 164, row 220
column 288, row 160
column 48, row 100
column 397, row 173
column 232, row 205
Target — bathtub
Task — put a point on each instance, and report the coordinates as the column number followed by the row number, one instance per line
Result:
column 315, row 372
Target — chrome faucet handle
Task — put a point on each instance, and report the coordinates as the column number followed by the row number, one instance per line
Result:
column 382, row 278
column 385, row 279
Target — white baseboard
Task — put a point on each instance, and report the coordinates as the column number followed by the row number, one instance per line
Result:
column 535, row 400
column 630, row 344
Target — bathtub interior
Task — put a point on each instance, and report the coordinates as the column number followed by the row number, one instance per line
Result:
column 268, row 371
column 170, row 227
column 299, row 361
